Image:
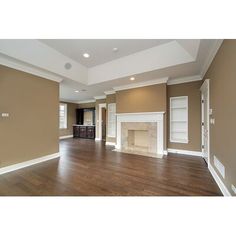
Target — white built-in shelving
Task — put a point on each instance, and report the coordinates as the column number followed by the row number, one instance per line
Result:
column 179, row 119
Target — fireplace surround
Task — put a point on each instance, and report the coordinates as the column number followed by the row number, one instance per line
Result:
column 141, row 133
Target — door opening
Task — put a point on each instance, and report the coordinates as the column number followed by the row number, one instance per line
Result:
column 104, row 124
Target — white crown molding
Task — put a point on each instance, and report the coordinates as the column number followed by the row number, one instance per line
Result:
column 19, row 65
column 110, row 92
column 100, row 97
column 86, row 101
column 141, row 84
column 219, row 182
column 66, row 136
column 211, row 56
column 24, row 164
column 185, row 152
column 184, row 80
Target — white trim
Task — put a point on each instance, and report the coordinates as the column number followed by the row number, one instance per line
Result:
column 86, row 101
column 219, row 182
column 100, row 97
column 110, row 92
column 100, row 106
column 110, row 143
column 165, row 152
column 206, row 85
column 141, row 84
column 66, row 136
column 24, row 164
column 19, row 65
column 185, row 152
column 157, row 117
column 211, row 56
column 140, row 113
column 97, row 139
column 184, row 80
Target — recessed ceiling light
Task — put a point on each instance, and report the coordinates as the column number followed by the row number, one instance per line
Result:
column 132, row 78
column 76, row 91
column 115, row 49
column 86, row 55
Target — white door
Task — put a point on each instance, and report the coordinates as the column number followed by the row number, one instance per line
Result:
column 205, row 119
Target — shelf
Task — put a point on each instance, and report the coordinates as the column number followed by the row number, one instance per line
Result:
column 179, row 107
column 179, row 131
column 179, row 140
column 179, row 121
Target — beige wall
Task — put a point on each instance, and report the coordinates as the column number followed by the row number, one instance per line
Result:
column 222, row 75
column 144, row 99
column 31, row 131
column 192, row 90
column 71, row 119
column 87, row 105
column 111, row 98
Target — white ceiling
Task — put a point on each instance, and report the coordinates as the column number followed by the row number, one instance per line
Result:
column 144, row 59
column 100, row 50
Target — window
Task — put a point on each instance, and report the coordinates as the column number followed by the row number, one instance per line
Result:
column 63, row 116
column 111, row 120
column 179, row 119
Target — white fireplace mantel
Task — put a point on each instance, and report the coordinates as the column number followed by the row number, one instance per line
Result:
column 157, row 117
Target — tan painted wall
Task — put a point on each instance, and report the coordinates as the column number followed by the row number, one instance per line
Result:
column 87, row 105
column 31, row 131
column 99, row 101
column 71, row 119
column 144, row 99
column 111, row 98
column 192, row 90
column 222, row 75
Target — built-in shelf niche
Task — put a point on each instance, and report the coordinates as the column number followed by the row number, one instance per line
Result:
column 179, row 119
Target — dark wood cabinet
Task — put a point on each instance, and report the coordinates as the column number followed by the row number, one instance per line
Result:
column 80, row 131
column 90, row 132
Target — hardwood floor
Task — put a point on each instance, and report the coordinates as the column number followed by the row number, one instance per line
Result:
column 89, row 168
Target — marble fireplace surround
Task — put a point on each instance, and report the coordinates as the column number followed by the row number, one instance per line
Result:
column 150, row 120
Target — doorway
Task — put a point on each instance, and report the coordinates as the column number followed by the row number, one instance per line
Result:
column 205, row 96
column 104, row 122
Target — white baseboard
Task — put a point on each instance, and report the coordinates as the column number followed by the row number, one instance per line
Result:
column 67, row 136
column 219, row 182
column 165, row 152
column 185, row 152
column 24, row 164
column 110, row 143
column 97, row 139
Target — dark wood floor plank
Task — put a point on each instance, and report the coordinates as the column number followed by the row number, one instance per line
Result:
column 89, row 168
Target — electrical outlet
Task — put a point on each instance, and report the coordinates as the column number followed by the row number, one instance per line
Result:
column 233, row 188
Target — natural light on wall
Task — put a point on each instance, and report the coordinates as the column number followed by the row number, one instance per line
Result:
column 63, row 116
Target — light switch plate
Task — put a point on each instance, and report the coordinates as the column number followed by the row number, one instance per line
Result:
column 5, row 114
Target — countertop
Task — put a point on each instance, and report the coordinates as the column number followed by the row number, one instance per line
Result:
column 83, row 125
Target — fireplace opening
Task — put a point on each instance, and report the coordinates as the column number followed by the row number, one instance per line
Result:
column 138, row 140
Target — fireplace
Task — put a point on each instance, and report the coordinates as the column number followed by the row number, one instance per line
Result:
column 141, row 133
